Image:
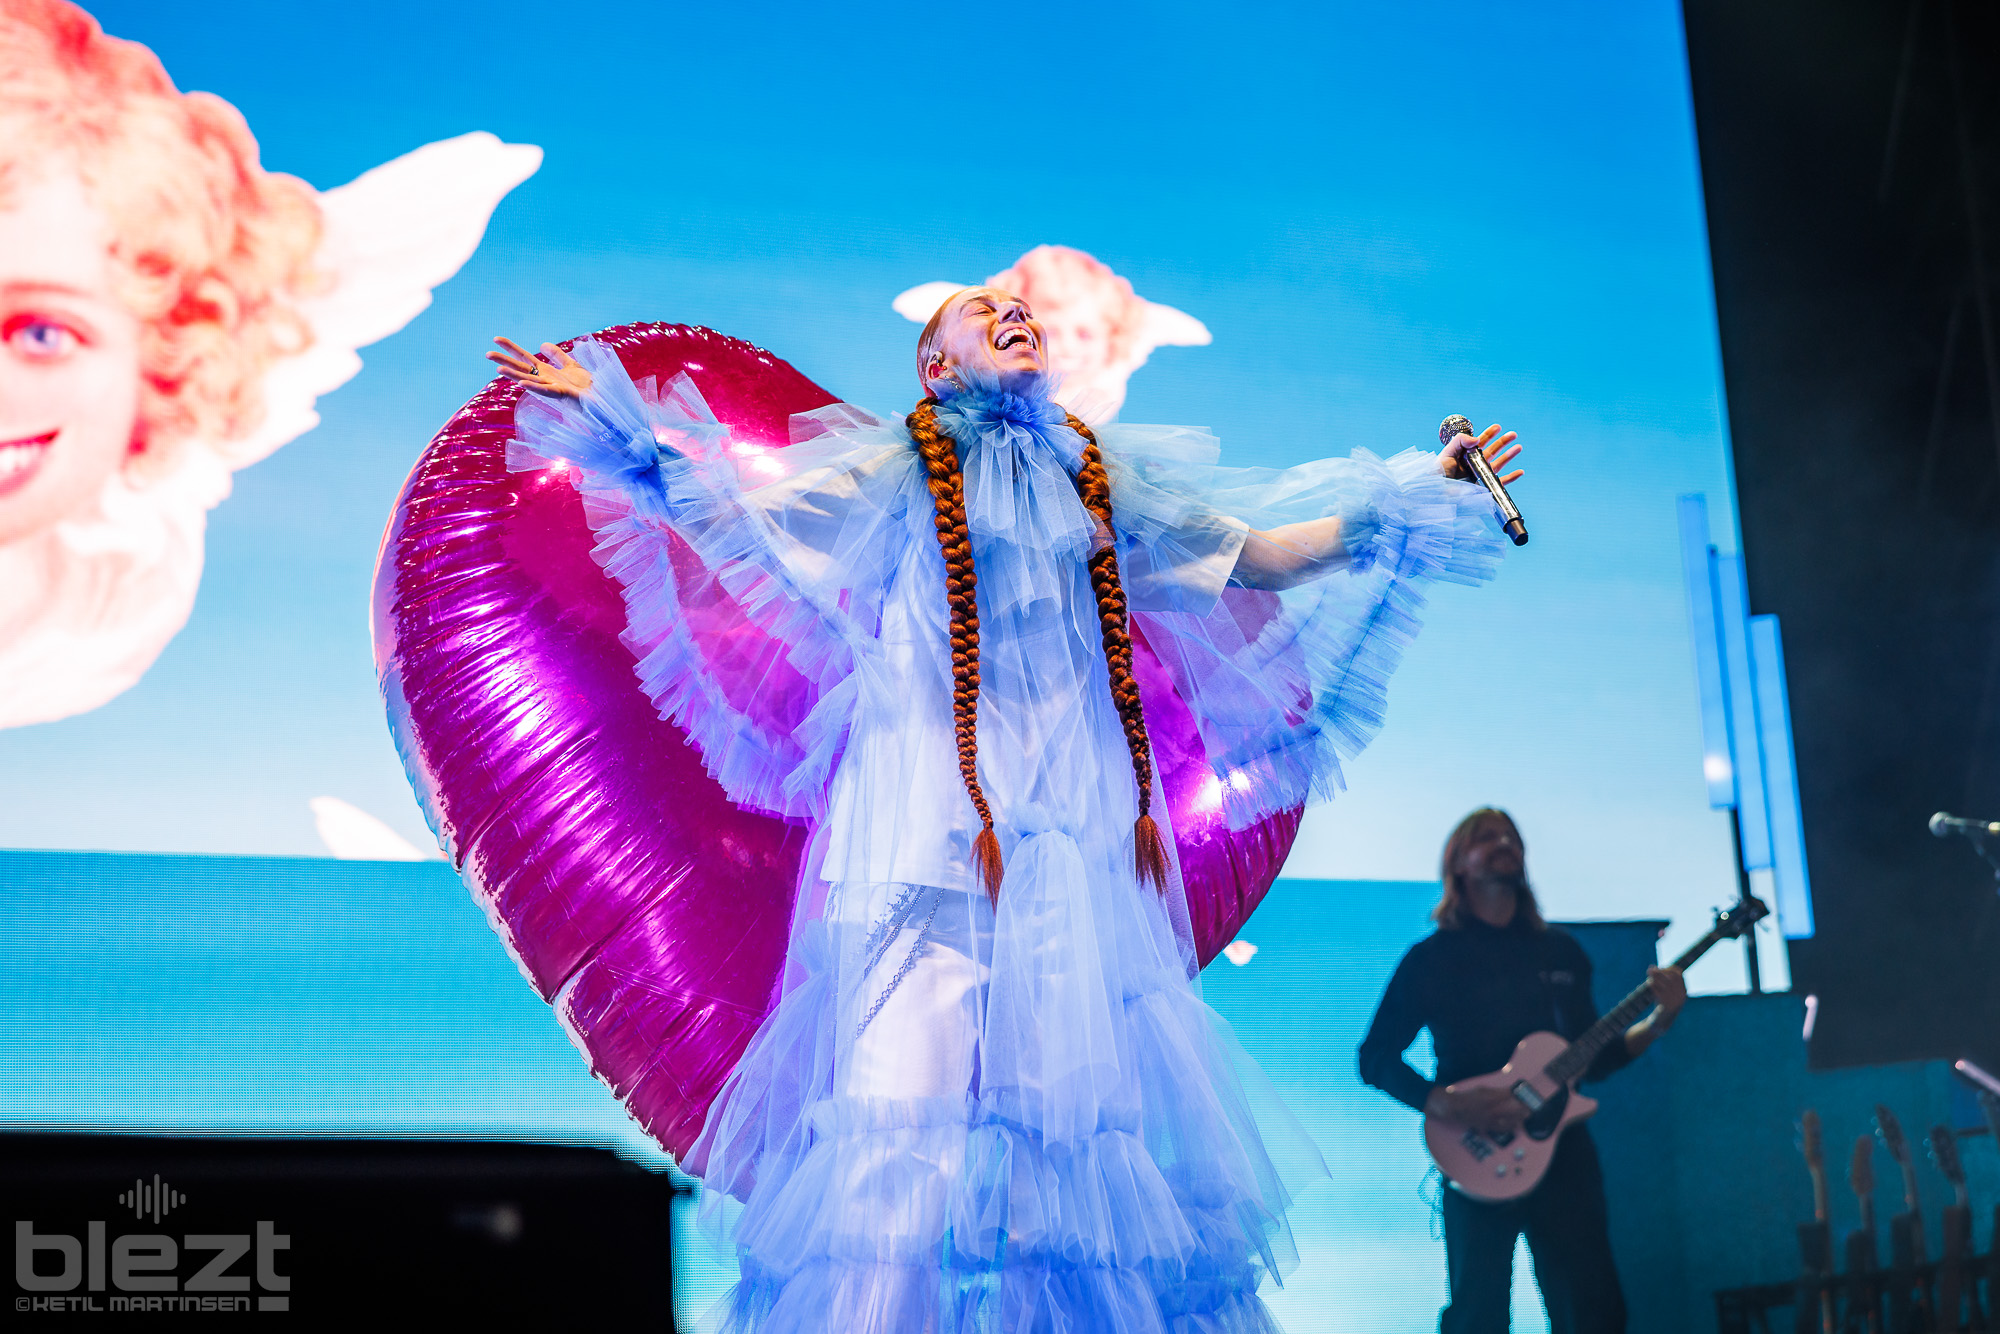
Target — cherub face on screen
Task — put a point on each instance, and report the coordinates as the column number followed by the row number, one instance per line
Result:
column 169, row 312
column 69, row 356
column 1099, row 330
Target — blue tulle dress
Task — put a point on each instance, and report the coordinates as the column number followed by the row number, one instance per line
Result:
column 961, row 1118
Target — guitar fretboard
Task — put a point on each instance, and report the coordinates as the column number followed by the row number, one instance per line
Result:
column 1576, row 1058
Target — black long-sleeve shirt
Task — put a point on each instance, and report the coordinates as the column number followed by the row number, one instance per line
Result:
column 1480, row 989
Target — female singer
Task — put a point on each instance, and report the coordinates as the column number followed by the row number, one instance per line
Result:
column 991, row 1097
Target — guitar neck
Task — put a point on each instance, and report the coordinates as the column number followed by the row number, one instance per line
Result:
column 1576, row 1058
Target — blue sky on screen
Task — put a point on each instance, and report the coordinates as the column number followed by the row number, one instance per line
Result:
column 1383, row 214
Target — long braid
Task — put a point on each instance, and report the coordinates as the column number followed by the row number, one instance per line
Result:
column 961, row 584
column 1093, row 488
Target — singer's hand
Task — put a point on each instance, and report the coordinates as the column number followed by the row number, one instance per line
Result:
column 561, row 376
column 1500, row 451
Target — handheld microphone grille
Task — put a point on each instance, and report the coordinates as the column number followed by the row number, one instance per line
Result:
column 1475, row 463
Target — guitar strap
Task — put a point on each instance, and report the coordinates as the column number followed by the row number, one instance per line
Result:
column 1553, row 981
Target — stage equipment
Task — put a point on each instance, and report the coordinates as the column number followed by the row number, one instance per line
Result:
column 1975, row 832
column 1816, row 1237
column 1510, row 515
column 1906, row 1231
column 1542, row 1076
column 1958, row 1304
column 1864, row 1292
column 1919, row 1294
column 1985, row 1081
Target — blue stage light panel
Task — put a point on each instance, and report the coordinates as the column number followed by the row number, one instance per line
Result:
column 1732, row 599
column 1697, row 570
column 1792, row 887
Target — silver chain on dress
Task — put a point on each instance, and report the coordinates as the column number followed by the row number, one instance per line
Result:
column 879, row 940
column 886, row 927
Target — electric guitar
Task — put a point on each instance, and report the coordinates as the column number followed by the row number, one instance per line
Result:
column 1542, row 1076
column 1815, row 1238
column 1864, row 1294
column 1906, row 1232
column 1956, row 1287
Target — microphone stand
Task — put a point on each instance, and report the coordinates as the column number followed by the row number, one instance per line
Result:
column 1977, row 836
column 1752, row 969
column 1985, row 850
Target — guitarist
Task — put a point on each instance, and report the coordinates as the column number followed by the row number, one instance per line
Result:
column 1492, row 973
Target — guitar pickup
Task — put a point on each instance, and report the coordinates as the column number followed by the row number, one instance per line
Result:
column 1476, row 1145
column 1527, row 1096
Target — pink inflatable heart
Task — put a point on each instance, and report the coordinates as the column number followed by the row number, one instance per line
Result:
column 637, row 899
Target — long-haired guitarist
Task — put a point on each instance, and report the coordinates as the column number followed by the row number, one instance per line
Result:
column 1492, row 973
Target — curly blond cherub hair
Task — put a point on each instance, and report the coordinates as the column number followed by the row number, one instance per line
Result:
column 208, row 249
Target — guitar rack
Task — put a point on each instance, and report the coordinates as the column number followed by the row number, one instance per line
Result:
column 1899, row 1300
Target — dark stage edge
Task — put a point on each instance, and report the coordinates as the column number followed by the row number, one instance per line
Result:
column 374, row 1228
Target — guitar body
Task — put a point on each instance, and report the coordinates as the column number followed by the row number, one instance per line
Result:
column 1508, row 1167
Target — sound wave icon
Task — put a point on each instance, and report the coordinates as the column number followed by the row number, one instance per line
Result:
column 155, row 1198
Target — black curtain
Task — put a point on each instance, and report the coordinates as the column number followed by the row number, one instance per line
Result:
column 1851, row 160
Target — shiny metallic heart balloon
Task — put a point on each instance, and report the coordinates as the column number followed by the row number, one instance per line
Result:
column 637, row 898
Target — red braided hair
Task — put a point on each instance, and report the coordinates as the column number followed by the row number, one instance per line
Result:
column 1093, row 486
column 961, row 590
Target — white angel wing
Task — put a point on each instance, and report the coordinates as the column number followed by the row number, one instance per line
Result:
column 1166, row 327
column 352, row 834
column 391, row 235
column 922, row 301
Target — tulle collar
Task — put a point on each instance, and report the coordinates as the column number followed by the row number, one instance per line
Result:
column 1020, row 459
column 979, row 411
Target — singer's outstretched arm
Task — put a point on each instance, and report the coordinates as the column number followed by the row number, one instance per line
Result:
column 1297, row 553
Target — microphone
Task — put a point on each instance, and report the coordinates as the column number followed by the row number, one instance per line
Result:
column 1475, row 459
column 1944, row 826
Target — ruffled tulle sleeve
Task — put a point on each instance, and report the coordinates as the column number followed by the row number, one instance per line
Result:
column 753, row 577
column 1285, row 686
